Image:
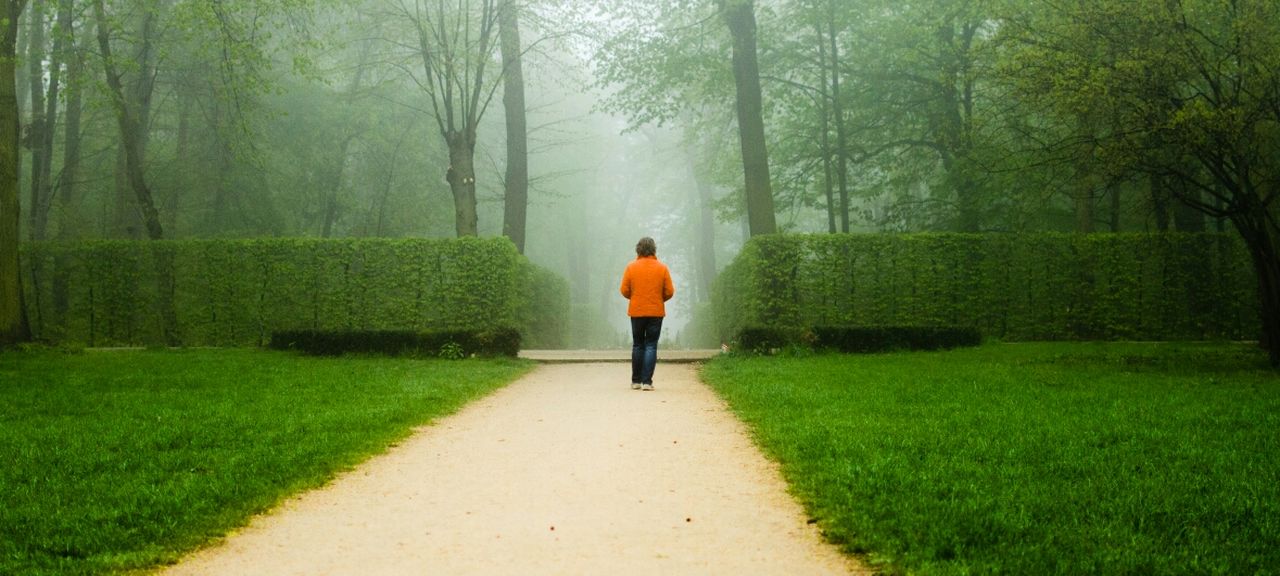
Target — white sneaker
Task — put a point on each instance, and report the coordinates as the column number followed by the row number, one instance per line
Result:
column 647, row 387
column 635, row 385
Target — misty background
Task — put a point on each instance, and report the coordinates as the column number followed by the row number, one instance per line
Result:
column 327, row 118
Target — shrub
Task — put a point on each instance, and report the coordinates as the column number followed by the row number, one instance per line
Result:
column 445, row 343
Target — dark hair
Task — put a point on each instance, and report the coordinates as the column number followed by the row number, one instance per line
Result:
column 646, row 247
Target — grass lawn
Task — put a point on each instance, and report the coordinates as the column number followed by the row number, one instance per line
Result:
column 1029, row 458
column 120, row 460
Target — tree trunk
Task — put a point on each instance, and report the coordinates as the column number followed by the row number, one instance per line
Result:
column 824, row 126
column 173, row 202
column 36, row 130
column 1159, row 195
column 462, row 182
column 1115, row 208
column 133, row 137
column 68, row 222
column 1263, row 240
column 13, row 316
column 706, row 246
column 131, row 130
column 740, row 16
column 837, row 107
column 516, row 202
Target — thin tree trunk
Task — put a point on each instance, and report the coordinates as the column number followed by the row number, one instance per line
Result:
column 174, row 201
column 516, row 202
column 13, row 316
column 1083, row 199
column 36, row 130
column 340, row 163
column 824, row 124
column 134, row 142
column 1115, row 208
column 130, row 130
column 1159, row 197
column 740, row 17
column 706, row 244
column 837, row 106
column 63, row 43
column 68, row 223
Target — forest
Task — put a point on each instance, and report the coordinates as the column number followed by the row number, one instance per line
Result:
column 575, row 127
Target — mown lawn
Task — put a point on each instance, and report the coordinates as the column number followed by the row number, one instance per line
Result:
column 120, row 460
column 1029, row 458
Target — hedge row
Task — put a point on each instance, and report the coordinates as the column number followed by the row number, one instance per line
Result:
column 237, row 292
column 856, row 339
column 453, row 344
column 1012, row 287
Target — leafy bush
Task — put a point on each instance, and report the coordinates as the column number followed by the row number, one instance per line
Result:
column 238, row 292
column 1012, row 287
column 450, row 344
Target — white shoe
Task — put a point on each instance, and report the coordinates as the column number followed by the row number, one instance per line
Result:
column 635, row 385
column 647, row 387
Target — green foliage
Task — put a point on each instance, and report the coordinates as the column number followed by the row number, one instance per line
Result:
column 1047, row 458
column 449, row 344
column 1012, row 287
column 544, row 312
column 237, row 292
column 122, row 461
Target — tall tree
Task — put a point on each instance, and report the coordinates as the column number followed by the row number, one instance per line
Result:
column 130, row 121
column 740, row 16
column 13, row 316
column 1194, row 91
column 516, row 202
column 456, row 42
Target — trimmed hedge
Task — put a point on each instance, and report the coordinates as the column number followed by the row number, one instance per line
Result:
column 1013, row 287
column 238, row 292
column 856, row 339
column 453, row 343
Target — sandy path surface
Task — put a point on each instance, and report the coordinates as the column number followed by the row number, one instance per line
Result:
column 566, row 471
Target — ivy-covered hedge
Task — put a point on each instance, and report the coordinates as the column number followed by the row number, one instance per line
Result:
column 1012, row 287
column 237, row 292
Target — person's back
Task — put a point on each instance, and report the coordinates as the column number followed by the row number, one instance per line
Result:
column 647, row 284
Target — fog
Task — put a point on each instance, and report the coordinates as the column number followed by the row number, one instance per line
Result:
column 390, row 118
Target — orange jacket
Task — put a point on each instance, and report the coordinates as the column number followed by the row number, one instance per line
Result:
column 647, row 284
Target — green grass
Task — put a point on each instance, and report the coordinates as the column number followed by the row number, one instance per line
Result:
column 115, row 461
column 1029, row 458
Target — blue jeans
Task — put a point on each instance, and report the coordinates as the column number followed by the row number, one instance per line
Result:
column 644, row 348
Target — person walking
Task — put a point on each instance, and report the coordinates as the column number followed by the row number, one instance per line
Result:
column 647, row 284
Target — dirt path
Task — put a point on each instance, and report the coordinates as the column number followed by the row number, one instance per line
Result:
column 566, row 471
